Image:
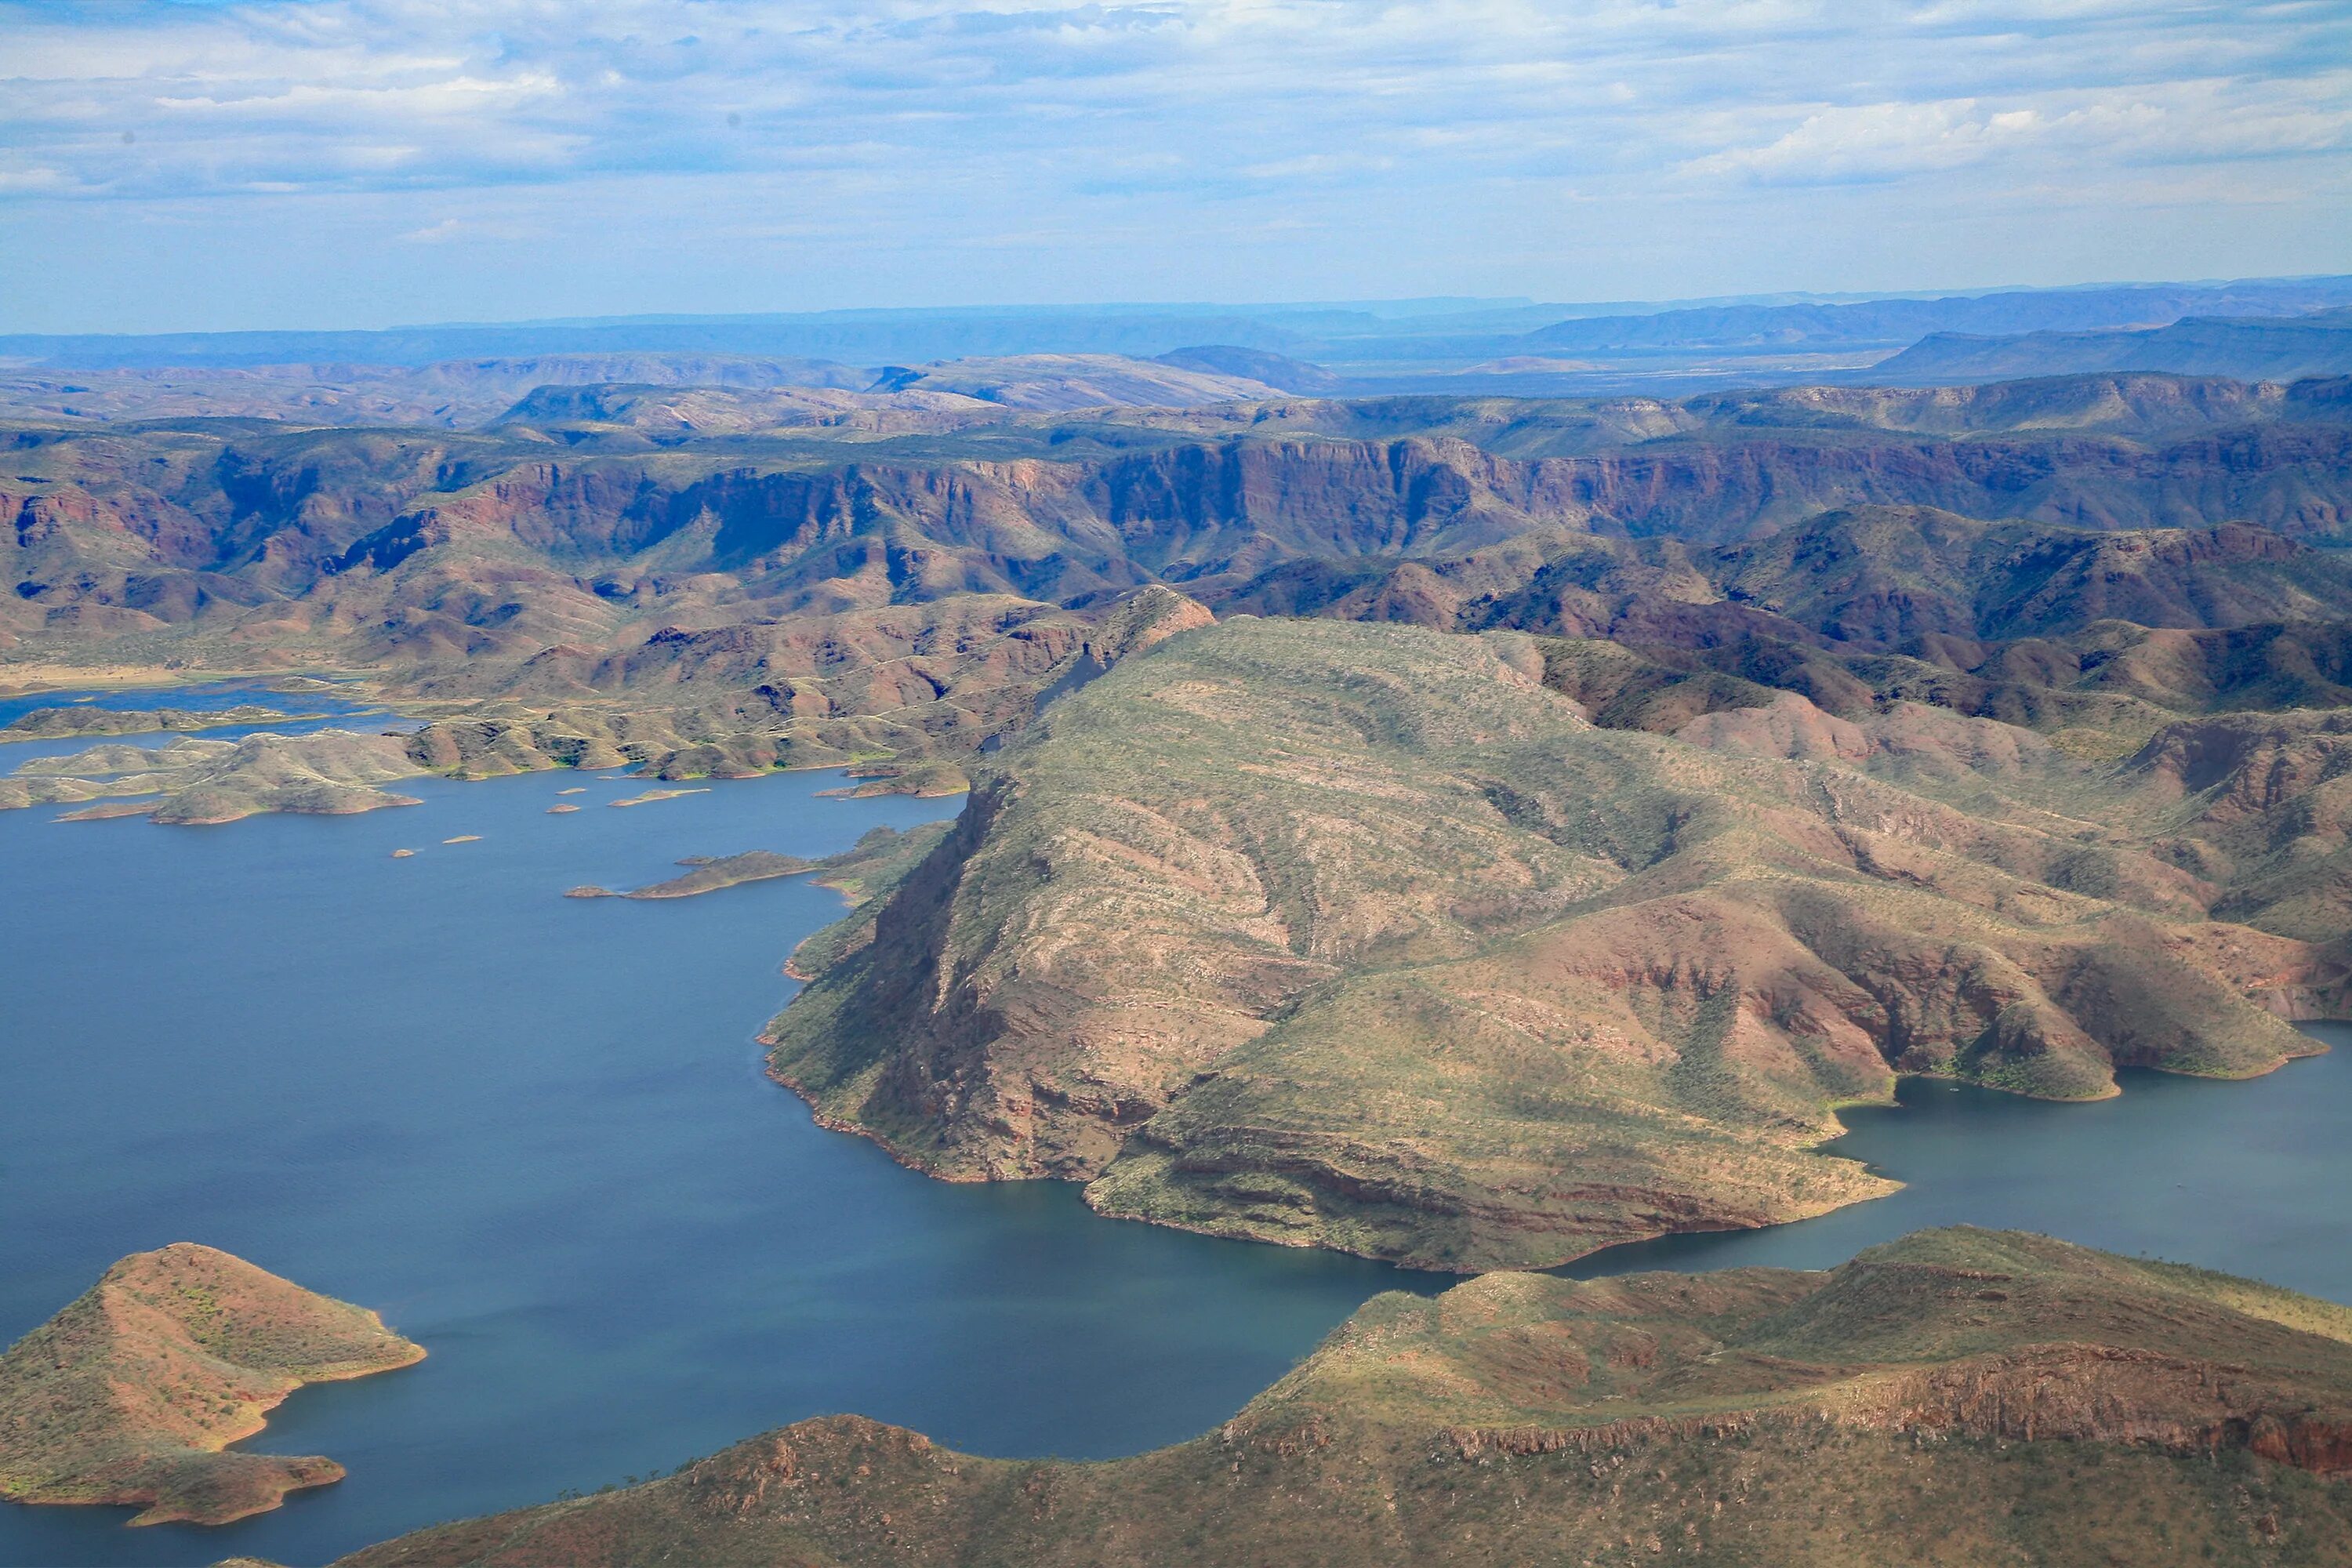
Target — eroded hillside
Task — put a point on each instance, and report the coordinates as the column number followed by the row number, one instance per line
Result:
column 1362, row 936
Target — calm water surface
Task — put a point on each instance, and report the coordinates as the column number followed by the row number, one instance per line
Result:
column 532, row 1132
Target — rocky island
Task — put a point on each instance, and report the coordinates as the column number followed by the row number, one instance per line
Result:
column 1956, row 1398
column 191, row 781
column 882, row 856
column 132, row 1394
column 52, row 723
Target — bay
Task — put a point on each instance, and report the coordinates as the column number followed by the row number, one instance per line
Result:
column 533, row 1132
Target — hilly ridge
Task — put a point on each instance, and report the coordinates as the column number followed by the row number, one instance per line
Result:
column 1957, row 1397
column 1359, row 936
column 407, row 547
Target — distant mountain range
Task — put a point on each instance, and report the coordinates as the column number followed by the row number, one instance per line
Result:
column 2245, row 348
column 1460, row 345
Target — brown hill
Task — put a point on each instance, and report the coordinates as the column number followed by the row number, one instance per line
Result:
column 1359, row 936
column 1871, row 577
column 132, row 1394
column 1955, row 1399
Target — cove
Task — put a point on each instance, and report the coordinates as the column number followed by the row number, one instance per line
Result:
column 2247, row 1177
column 534, row 1134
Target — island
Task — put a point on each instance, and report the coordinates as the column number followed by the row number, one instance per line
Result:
column 881, row 857
column 195, row 782
column 649, row 796
column 55, row 724
column 1956, row 1398
column 132, row 1394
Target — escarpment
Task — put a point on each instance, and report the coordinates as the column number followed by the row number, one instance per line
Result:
column 387, row 547
column 1953, row 1398
column 1360, row 936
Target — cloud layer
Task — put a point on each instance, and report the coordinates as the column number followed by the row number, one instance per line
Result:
column 717, row 153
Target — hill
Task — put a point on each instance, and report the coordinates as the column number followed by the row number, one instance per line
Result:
column 133, row 1393
column 2283, row 348
column 1365, row 937
column 1074, row 380
column 1955, row 1399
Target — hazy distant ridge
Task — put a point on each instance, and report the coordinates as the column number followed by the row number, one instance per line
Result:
column 1463, row 330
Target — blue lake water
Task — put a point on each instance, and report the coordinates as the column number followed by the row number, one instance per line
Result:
column 333, row 706
column 533, row 1132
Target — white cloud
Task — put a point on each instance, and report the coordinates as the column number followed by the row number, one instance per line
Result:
column 1347, row 122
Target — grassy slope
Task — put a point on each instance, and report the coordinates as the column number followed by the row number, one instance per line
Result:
column 1958, row 1397
column 1356, row 936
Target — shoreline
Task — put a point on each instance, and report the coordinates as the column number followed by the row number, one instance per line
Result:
column 909, row 1161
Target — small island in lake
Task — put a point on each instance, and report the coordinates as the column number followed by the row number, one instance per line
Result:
column 55, row 724
column 652, row 796
column 883, row 852
column 131, row 1394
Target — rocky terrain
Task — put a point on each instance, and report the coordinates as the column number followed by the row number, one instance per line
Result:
column 1366, row 937
column 132, row 1394
column 208, row 545
column 1958, row 1397
column 1650, row 776
column 55, row 724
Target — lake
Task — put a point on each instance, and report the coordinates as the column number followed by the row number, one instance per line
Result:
column 533, row 1132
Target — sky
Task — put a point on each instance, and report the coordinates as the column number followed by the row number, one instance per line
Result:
column 167, row 165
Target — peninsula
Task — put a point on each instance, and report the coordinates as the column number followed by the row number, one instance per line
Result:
column 1368, row 937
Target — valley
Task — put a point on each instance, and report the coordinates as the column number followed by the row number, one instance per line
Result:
column 1234, row 784
column 1441, row 836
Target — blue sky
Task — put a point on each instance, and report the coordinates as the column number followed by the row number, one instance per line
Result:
column 357, row 163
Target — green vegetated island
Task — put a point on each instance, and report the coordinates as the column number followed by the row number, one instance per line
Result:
column 133, row 1393
column 1956, row 1398
column 1467, row 831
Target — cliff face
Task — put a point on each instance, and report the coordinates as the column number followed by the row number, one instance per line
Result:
column 414, row 547
column 1878, row 578
column 1956, row 1398
column 132, row 1394
column 1359, row 936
